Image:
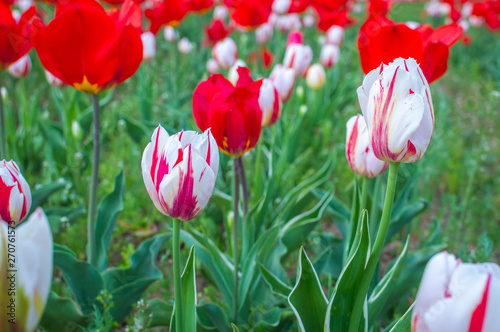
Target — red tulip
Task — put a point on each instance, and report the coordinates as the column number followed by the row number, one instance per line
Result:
column 217, row 31
column 489, row 11
column 249, row 14
column 232, row 112
column 15, row 37
column 166, row 12
column 332, row 13
column 199, row 6
column 89, row 48
column 382, row 40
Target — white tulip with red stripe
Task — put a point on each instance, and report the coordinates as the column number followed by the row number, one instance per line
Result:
column 298, row 57
column 33, row 261
column 397, row 106
column 329, row 55
column 21, row 67
column 359, row 151
column 458, row 297
column 225, row 52
column 15, row 193
column 269, row 102
column 54, row 81
column 284, row 80
column 335, row 35
column 179, row 171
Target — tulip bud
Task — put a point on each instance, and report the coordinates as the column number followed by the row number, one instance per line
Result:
column 458, row 297
column 76, row 130
column 179, row 171
column 288, row 22
column 220, row 12
column 21, row 67
column 212, row 66
column 298, row 57
column 25, row 284
column 148, row 45
column 264, row 33
column 15, row 194
column 185, row 46
column 308, row 20
column 281, row 6
column 170, row 34
column 225, row 52
column 329, row 55
column 283, row 80
column 359, row 151
column 397, row 106
column 269, row 102
column 335, row 35
column 315, row 78
column 232, row 74
column 54, row 81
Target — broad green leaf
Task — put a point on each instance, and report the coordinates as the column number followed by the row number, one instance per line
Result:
column 307, row 298
column 276, row 285
column 404, row 323
column 342, row 300
column 383, row 290
column 39, row 196
column 157, row 313
column 405, row 217
column 107, row 213
column 330, row 259
column 136, row 129
column 83, row 279
column 62, row 314
column 235, row 328
column 188, row 281
column 211, row 317
column 125, row 297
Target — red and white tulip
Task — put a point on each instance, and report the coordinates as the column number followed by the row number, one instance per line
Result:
column 284, row 80
column 179, row 171
column 335, row 35
column 269, row 102
column 359, row 150
column 225, row 52
column 316, row 76
column 148, row 45
column 329, row 55
column 458, row 297
column 298, row 57
column 21, row 67
column 397, row 106
column 15, row 194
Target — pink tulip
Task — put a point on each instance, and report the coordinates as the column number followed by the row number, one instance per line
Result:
column 458, row 297
column 283, row 80
column 397, row 106
column 269, row 102
column 15, row 194
column 179, row 171
column 359, row 151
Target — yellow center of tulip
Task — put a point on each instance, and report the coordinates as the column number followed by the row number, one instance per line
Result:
column 86, row 86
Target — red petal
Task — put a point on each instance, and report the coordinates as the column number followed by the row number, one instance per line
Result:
column 447, row 34
column 434, row 61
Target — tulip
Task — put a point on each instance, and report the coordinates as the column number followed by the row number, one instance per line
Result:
column 220, row 13
column 249, row 14
column 397, row 106
column 199, row 6
column 298, row 57
column 185, row 46
column 149, row 45
column 33, row 261
column 232, row 74
column 269, row 102
column 232, row 112
column 170, row 12
column 15, row 194
column 281, row 6
column 308, row 20
column 316, row 76
column 264, row 33
column 21, row 67
column 179, row 171
column 283, row 80
column 330, row 14
column 170, row 34
column 54, row 81
column 458, row 297
column 217, row 31
column 329, row 55
column 288, row 22
column 91, row 49
column 335, row 35
column 359, row 151
column 225, row 52
column 212, row 66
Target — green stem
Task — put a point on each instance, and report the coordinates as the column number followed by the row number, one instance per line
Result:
column 176, row 251
column 258, row 167
column 377, row 248
column 244, row 185
column 94, row 182
column 2, row 127
column 352, row 222
column 235, row 237
column 364, row 193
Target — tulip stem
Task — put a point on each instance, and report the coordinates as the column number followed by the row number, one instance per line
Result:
column 92, row 258
column 176, row 251
column 377, row 248
column 244, row 184
column 2, row 127
column 364, row 193
column 352, row 221
column 235, row 236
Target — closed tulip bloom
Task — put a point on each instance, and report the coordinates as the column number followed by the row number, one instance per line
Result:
column 458, row 297
column 34, row 258
column 170, row 12
column 21, row 67
column 329, row 55
column 179, row 171
column 225, row 52
column 397, row 106
column 233, row 74
column 284, row 81
column 298, row 57
column 170, row 34
column 91, row 49
column 15, row 193
column 269, row 102
column 281, row 6
column 185, row 46
column 54, row 81
column 212, row 66
column 316, row 76
column 264, row 33
column 149, row 45
column 359, row 150
column 335, row 35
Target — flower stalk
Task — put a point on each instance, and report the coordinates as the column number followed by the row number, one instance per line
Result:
column 176, row 249
column 91, row 218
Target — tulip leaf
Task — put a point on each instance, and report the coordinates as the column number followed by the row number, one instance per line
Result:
column 235, row 328
column 276, row 285
column 136, row 129
column 157, row 313
column 107, row 213
column 404, row 323
column 383, row 290
column 62, row 314
column 83, row 279
column 211, row 317
column 405, row 217
column 39, row 196
column 188, row 281
column 342, row 300
column 330, row 259
column 307, row 298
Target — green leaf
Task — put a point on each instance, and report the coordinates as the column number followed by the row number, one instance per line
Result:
column 39, row 196
column 276, row 285
column 342, row 300
column 405, row 217
column 211, row 317
column 307, row 298
column 383, row 290
column 330, row 259
column 62, row 314
column 136, row 129
column 157, row 313
column 83, row 279
column 107, row 213
column 235, row 328
column 404, row 323
column 188, row 281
